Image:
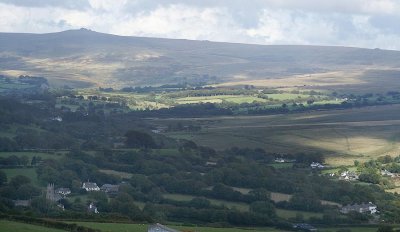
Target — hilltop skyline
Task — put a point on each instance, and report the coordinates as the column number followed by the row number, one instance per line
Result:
column 356, row 23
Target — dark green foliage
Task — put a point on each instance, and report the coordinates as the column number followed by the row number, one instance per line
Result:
column 3, row 178
column 263, row 207
column 19, row 180
column 138, row 139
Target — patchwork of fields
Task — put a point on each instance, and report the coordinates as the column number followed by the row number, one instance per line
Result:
column 341, row 135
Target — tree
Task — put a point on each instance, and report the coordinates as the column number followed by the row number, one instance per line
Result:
column 200, row 203
column 27, row 191
column 263, row 207
column 19, row 180
column 138, row 139
column 3, row 178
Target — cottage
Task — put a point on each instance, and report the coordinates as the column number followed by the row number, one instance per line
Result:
column 110, row 188
column 90, row 186
column 63, row 191
column 160, row 228
column 361, row 208
column 92, row 208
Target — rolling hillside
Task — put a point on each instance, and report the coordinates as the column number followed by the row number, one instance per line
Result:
column 84, row 58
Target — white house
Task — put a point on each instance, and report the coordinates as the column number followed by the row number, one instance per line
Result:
column 90, row 186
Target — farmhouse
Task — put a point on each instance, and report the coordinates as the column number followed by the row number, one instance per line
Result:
column 362, row 208
column 90, row 186
column 160, row 228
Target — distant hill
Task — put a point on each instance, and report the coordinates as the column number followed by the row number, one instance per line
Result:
column 83, row 58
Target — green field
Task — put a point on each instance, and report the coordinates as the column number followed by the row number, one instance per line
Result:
column 11, row 226
column 232, row 205
column 28, row 172
column 238, row 99
column 286, row 214
column 341, row 135
column 30, row 155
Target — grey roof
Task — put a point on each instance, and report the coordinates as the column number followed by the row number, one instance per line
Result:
column 110, row 188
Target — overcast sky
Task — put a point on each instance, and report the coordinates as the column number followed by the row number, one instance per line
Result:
column 360, row 23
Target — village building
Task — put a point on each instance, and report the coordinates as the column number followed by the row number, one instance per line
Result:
column 92, row 208
column 51, row 195
column 160, row 228
column 90, row 186
column 360, row 208
column 63, row 191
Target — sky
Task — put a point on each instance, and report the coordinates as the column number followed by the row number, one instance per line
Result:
column 357, row 23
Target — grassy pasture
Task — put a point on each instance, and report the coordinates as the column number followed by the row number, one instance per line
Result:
column 30, row 155
column 219, row 98
column 232, row 205
column 124, row 175
column 286, row 214
column 28, row 172
column 283, row 213
column 341, row 135
column 8, row 226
